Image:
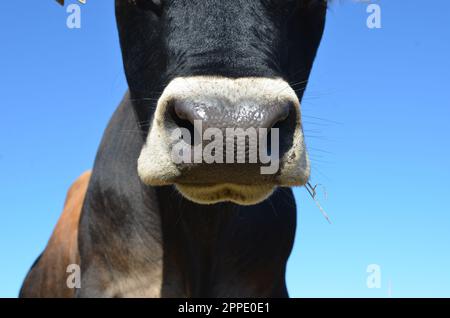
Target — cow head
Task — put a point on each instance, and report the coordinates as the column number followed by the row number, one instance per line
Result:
column 208, row 67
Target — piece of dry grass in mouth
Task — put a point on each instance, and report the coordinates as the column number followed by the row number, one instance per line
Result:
column 312, row 192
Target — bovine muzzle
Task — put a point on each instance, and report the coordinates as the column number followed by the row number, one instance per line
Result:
column 217, row 131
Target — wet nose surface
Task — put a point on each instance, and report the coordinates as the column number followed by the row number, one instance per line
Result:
column 219, row 112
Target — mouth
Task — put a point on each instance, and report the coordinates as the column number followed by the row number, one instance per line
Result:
column 229, row 192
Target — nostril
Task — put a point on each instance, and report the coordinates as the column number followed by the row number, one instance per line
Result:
column 181, row 119
column 279, row 115
column 282, row 116
column 284, row 119
column 181, row 112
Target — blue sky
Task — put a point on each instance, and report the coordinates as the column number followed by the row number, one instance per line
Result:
column 376, row 117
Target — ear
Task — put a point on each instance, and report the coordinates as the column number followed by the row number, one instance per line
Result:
column 61, row 2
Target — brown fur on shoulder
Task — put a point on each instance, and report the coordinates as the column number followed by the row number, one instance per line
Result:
column 47, row 277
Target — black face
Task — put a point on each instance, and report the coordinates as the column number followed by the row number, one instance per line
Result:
column 230, row 64
column 165, row 39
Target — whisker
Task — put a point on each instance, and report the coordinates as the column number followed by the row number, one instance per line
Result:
column 144, row 99
column 322, row 119
column 314, row 168
column 321, row 161
column 317, row 137
column 314, row 131
column 315, row 124
column 320, row 150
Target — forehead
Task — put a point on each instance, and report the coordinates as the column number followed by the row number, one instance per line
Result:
column 233, row 5
column 223, row 12
column 215, row 16
column 230, row 14
column 228, row 37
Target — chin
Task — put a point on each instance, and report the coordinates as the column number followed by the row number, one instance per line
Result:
column 235, row 193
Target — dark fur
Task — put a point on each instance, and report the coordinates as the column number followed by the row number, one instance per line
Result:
column 207, row 251
column 237, row 38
